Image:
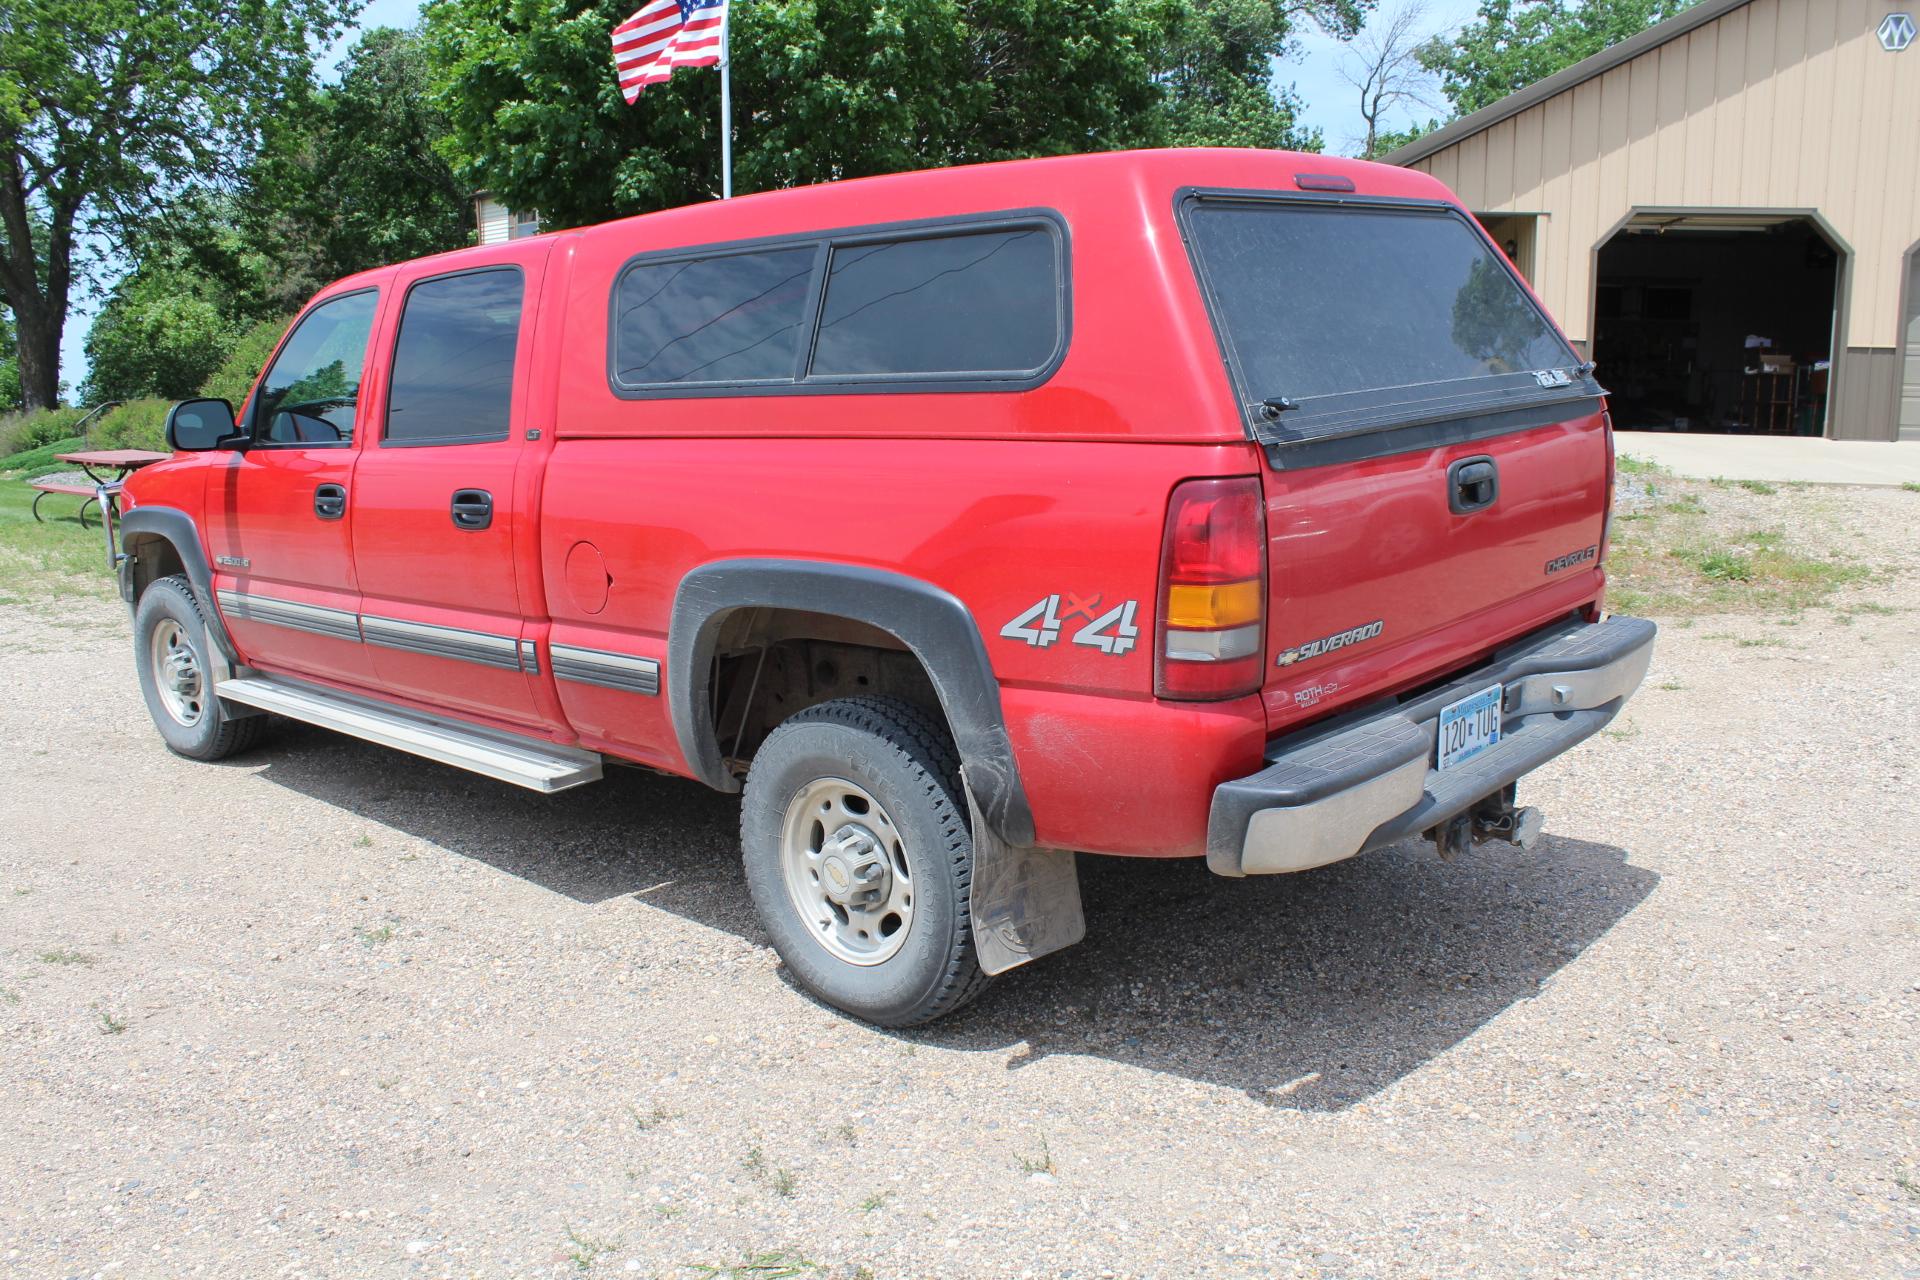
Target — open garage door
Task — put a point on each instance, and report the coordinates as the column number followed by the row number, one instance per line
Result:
column 1717, row 321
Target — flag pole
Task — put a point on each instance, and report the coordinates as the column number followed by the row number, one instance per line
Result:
column 726, row 109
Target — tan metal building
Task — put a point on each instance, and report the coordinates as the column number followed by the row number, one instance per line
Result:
column 1720, row 208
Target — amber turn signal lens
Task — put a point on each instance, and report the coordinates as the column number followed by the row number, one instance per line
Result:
column 1206, row 606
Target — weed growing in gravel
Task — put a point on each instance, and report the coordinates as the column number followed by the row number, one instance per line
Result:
column 774, row 1264
column 669, row 1211
column 783, row 1183
column 847, row 1133
column 9, row 995
column 1761, row 642
column 1638, row 467
column 109, row 1025
column 1911, row 486
column 585, row 1250
column 1687, row 504
column 1760, row 487
column 371, row 938
column 658, row 1116
column 874, row 1203
column 364, row 842
column 1623, row 732
column 1905, row 1181
column 65, row 955
column 1043, row 1163
column 781, row 1180
column 1672, row 686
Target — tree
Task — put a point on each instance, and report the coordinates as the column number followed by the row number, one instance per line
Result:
column 1516, row 43
column 107, row 108
column 9, row 367
column 163, row 332
column 1384, row 66
column 827, row 89
column 350, row 178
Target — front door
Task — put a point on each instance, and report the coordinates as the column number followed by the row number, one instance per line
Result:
column 435, row 518
column 279, row 522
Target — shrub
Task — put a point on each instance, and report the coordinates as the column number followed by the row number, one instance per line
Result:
column 137, row 424
column 234, row 378
column 32, row 463
column 22, row 431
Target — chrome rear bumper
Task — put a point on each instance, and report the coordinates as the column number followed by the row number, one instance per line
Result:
column 1365, row 781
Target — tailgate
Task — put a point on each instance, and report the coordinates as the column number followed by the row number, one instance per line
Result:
column 1437, row 455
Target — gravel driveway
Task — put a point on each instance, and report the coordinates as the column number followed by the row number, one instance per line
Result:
column 333, row 1011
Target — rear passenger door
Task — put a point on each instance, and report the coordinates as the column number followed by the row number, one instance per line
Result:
column 437, row 533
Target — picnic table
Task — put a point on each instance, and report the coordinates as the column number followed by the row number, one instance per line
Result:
column 120, row 462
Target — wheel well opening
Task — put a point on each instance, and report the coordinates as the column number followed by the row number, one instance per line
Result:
column 154, row 558
column 769, row 664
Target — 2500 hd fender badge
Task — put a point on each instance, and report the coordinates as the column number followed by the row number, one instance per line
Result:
column 1327, row 644
column 1572, row 558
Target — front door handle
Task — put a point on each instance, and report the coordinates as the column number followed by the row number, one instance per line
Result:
column 472, row 508
column 1472, row 484
column 330, row 501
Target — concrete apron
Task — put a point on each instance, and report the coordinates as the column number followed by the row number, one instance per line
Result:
column 1807, row 459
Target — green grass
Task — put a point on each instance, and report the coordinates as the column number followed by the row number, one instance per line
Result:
column 109, row 1025
column 371, row 938
column 65, row 956
column 1911, row 486
column 1670, row 565
column 773, row 1264
column 583, row 1251
column 51, row 560
column 1042, row 1163
column 1628, row 466
column 1687, row 504
column 33, row 463
column 1760, row 487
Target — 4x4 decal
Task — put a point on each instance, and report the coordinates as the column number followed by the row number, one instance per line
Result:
column 1112, row 631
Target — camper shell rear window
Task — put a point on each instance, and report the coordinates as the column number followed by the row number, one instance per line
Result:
column 1340, row 316
column 968, row 304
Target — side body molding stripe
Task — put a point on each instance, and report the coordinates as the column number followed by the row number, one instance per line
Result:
column 485, row 648
column 609, row 670
column 931, row 622
column 340, row 624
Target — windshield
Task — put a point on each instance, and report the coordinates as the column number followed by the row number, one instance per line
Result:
column 1321, row 300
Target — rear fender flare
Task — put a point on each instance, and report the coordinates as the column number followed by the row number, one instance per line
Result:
column 930, row 622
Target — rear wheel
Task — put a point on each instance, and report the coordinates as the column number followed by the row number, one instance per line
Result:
column 854, row 834
column 170, row 648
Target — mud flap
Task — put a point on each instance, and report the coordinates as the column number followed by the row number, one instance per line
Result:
column 1026, row 902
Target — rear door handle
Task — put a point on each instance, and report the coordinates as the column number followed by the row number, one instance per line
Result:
column 1472, row 484
column 330, row 501
column 472, row 508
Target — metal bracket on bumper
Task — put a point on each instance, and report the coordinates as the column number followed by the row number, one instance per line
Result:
column 1360, row 785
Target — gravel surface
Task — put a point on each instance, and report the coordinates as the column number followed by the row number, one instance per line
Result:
column 332, row 1011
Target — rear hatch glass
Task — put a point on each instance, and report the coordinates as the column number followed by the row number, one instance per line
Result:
column 1386, row 353
column 1345, row 317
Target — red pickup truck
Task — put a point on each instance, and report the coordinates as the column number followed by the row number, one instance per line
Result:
column 1230, row 504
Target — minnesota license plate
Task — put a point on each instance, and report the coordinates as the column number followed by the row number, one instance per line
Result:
column 1469, row 726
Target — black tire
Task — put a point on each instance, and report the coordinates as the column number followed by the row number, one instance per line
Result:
column 902, row 756
column 209, row 734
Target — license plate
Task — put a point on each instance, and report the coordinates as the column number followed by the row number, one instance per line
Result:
column 1469, row 726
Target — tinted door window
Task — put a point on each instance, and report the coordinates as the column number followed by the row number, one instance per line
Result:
column 453, row 361
column 313, row 386
column 1332, row 301
column 978, row 303
column 731, row 319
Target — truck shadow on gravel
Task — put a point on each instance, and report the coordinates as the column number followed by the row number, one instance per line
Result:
column 1308, row 992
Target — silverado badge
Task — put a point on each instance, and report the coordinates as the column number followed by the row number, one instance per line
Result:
column 1327, row 644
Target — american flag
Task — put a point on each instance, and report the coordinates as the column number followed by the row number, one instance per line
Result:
column 666, row 34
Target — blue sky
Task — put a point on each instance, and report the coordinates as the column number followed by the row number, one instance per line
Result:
column 1315, row 73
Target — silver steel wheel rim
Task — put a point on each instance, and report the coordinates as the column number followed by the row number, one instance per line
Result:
column 176, row 673
column 845, row 865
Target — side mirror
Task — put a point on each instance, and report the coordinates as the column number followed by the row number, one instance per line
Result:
column 195, row 426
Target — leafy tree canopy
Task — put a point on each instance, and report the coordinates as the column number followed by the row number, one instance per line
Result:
column 1515, row 43
column 107, row 108
column 827, row 89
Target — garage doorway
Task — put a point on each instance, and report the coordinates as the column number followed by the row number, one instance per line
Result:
column 1723, row 321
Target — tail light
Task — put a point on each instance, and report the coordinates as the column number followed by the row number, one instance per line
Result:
column 1211, row 635
column 1613, row 478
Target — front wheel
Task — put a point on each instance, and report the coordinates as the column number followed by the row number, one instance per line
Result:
column 854, row 834
column 170, row 648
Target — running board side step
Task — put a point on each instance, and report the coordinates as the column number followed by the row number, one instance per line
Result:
column 526, row 762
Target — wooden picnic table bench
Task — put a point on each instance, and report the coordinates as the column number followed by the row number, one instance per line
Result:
column 122, row 462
